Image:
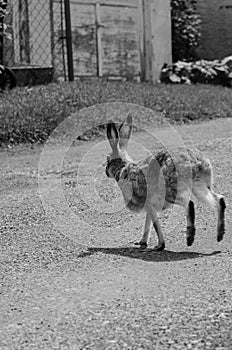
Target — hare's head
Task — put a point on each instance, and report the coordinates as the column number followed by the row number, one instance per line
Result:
column 118, row 140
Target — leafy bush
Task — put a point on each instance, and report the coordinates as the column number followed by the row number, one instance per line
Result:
column 217, row 72
column 3, row 13
column 185, row 29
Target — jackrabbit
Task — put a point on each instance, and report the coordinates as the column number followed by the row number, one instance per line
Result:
column 160, row 181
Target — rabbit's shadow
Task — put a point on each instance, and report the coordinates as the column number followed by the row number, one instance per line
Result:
column 147, row 254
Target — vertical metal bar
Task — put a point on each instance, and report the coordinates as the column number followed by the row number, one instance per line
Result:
column 98, row 39
column 1, row 39
column 141, row 35
column 24, row 32
column 52, row 39
column 62, row 39
column 148, row 40
column 2, row 16
column 69, row 39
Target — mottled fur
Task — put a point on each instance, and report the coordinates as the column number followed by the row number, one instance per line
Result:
column 161, row 180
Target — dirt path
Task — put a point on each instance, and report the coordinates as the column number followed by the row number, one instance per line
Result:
column 70, row 276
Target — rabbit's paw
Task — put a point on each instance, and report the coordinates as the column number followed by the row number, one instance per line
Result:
column 221, row 232
column 142, row 244
column 159, row 247
column 190, row 235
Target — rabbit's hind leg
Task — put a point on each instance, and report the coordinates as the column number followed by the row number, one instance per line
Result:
column 214, row 200
column 190, row 233
column 221, row 206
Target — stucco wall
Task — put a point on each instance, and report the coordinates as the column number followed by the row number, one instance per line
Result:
column 216, row 40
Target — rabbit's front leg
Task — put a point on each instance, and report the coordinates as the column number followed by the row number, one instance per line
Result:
column 158, row 229
column 144, row 241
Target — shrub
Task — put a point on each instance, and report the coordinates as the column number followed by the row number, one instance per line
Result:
column 217, row 72
column 3, row 13
column 185, row 29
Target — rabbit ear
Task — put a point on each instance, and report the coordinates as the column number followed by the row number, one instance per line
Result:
column 125, row 131
column 112, row 134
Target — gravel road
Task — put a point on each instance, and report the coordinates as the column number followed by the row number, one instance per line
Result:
column 71, row 277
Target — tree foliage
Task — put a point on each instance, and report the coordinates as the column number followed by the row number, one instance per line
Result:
column 185, row 29
column 3, row 13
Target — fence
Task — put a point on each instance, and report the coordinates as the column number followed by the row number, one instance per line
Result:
column 126, row 38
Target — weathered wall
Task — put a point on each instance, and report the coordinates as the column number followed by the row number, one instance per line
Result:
column 216, row 40
column 162, row 50
column 114, row 39
column 118, row 44
column 120, row 52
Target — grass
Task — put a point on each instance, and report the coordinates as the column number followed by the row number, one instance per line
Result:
column 30, row 115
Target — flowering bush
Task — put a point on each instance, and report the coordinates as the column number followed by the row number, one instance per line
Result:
column 217, row 72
